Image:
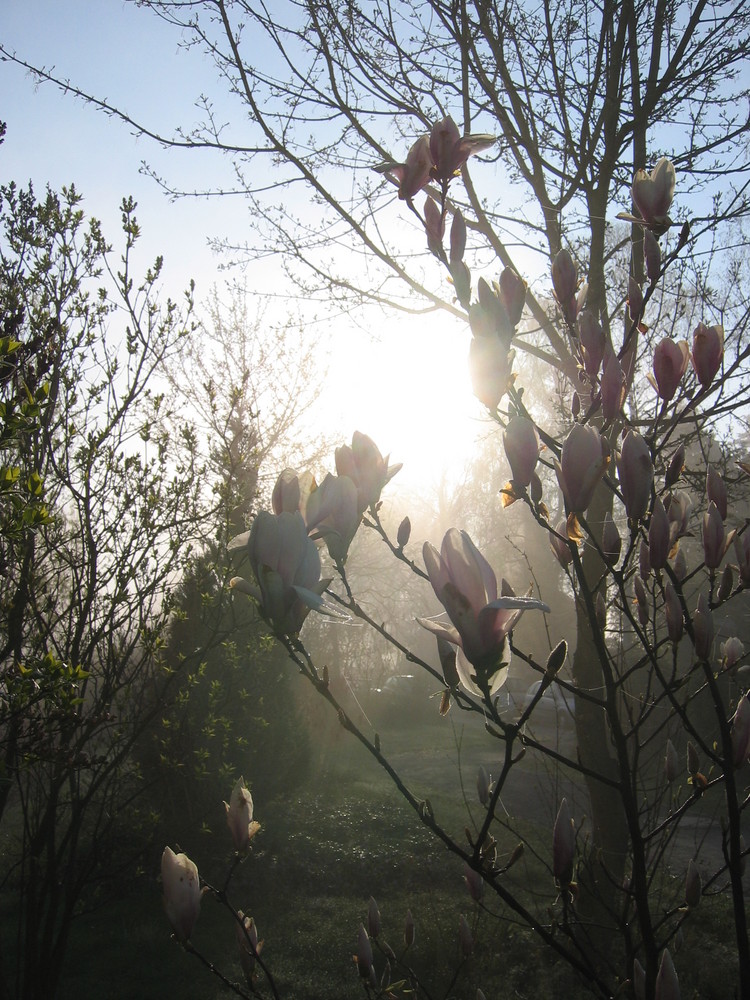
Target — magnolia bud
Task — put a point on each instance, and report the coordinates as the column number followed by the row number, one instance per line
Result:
column 692, row 885
column 474, row 883
column 613, row 388
column 636, row 473
column 680, row 565
column 732, row 652
column 404, row 532
column 641, row 600
column 670, row 364
column 364, row 953
column 716, row 490
column 726, row 584
column 483, row 785
column 447, row 656
column 639, row 977
column 521, row 449
column 713, row 537
column 593, row 342
column 673, row 612
column 635, row 299
column 708, row 350
column 644, row 560
column 667, row 985
column 575, row 406
column 373, row 918
column 512, row 294
column 611, row 541
column 675, row 467
column 658, row 535
column 742, row 551
column 458, row 238
column 565, row 283
column 703, row 629
column 409, row 930
column 556, row 658
column 558, row 544
column 600, row 610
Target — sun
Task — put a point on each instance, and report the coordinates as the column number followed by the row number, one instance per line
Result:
column 408, row 388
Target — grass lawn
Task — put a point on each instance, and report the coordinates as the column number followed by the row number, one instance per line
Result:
column 322, row 851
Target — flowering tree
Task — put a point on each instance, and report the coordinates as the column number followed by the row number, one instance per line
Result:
column 585, row 110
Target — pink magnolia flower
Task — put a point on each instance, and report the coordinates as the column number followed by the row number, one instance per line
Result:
column 286, row 567
column 466, row 586
column 364, row 953
column 703, row 628
column 414, row 174
column 512, row 292
column 366, row 467
column 434, row 224
column 333, row 514
column 670, row 364
column 611, row 541
column 449, row 150
column 582, row 464
column 182, row 892
column 653, row 193
column 742, row 551
column 715, row 540
column 652, row 256
column 732, row 651
column 560, row 548
column 373, row 918
column 474, row 883
column 708, row 350
column 240, row 820
column 521, row 449
column 673, row 613
column 636, row 473
column 291, row 491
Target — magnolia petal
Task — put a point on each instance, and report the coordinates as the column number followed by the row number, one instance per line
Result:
column 441, row 630
column 317, row 603
column 238, row 542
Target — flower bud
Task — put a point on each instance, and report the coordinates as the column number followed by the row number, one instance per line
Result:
column 658, row 536
column 512, row 289
column 703, row 629
column 673, row 612
column 521, row 448
column 680, row 565
column 675, row 467
column 692, row 885
column 639, row 980
column 404, row 532
column 561, row 548
column 611, row 541
column 483, row 785
column 716, row 490
column 575, row 406
column 713, row 537
column 182, row 892
column 726, row 584
column 732, row 652
column 373, row 918
column 490, row 364
column 474, row 883
column 434, row 224
column 671, row 763
column 563, row 845
column 641, row 600
column 248, row 944
column 635, row 300
column 636, row 473
column 565, row 283
column 240, row 821
column 667, row 985
column 409, row 930
column 600, row 610
column 644, row 560
column 708, row 350
column 556, row 659
column 364, row 953
column 592, row 341
column 581, row 466
column 458, row 238
column 670, row 364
